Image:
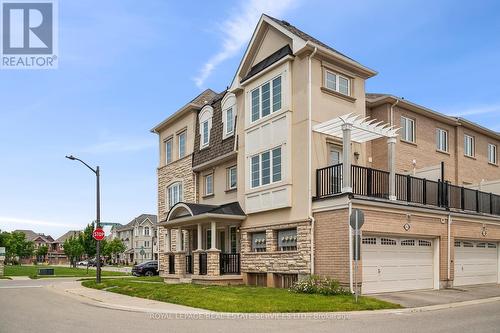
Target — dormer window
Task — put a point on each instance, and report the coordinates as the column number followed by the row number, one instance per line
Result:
column 205, row 121
column 228, row 115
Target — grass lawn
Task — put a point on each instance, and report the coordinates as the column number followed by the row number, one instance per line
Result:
column 31, row 271
column 237, row 298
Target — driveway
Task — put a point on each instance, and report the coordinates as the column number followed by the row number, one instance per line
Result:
column 418, row 298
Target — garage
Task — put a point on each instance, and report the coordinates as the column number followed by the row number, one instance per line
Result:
column 396, row 264
column 476, row 262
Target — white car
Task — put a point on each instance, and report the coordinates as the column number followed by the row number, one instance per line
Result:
column 82, row 263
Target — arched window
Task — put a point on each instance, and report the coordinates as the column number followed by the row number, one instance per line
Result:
column 205, row 121
column 174, row 194
column 228, row 115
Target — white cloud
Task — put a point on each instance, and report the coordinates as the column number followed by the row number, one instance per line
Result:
column 17, row 223
column 238, row 29
column 119, row 146
column 479, row 110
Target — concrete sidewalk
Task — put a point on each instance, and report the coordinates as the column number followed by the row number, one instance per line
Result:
column 419, row 298
column 111, row 300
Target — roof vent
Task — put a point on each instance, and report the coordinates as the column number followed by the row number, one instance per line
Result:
column 285, row 23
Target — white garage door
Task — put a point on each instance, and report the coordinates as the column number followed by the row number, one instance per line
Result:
column 395, row 264
column 475, row 263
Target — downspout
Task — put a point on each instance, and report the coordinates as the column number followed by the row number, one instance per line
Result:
column 351, row 284
column 449, row 250
column 391, row 116
column 309, row 150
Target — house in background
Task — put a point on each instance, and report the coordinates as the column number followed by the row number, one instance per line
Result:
column 140, row 239
column 257, row 184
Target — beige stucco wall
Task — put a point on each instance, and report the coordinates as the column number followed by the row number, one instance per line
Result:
column 222, row 194
column 186, row 122
column 273, row 41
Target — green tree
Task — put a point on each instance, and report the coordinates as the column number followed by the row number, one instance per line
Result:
column 4, row 238
column 18, row 246
column 114, row 247
column 88, row 242
column 73, row 249
column 42, row 251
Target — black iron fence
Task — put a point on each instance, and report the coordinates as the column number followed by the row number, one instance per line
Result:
column 171, row 264
column 203, row 263
column 189, row 264
column 229, row 263
column 375, row 183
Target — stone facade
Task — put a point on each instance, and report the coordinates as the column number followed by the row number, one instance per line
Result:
column 180, row 170
column 274, row 261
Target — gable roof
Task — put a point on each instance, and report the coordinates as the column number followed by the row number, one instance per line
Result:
column 31, row 235
column 196, row 103
column 139, row 219
column 67, row 235
column 300, row 41
column 375, row 99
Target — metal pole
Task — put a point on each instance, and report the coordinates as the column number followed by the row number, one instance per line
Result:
column 98, row 224
column 356, row 257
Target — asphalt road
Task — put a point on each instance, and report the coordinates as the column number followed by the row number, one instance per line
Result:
column 29, row 306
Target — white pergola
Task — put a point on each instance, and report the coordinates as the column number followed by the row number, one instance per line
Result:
column 352, row 127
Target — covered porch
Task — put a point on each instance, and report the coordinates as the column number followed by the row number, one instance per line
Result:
column 202, row 244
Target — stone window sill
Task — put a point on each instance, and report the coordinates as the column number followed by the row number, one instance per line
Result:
column 206, row 196
column 443, row 152
column 493, row 164
column 230, row 190
column 337, row 94
column 471, row 157
column 409, row 142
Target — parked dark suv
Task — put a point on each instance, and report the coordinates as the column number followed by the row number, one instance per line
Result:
column 148, row 268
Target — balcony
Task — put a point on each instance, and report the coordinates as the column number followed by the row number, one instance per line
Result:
column 375, row 183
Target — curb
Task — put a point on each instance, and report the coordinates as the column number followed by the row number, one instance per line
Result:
column 298, row 315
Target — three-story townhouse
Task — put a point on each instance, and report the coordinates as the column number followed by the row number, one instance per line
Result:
column 280, row 160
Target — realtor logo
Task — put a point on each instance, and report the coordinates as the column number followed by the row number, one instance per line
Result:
column 28, row 34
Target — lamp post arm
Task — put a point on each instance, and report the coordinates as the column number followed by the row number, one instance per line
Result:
column 88, row 166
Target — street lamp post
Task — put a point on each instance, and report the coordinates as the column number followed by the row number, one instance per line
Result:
column 98, row 214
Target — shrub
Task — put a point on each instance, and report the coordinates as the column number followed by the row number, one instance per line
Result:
column 315, row 284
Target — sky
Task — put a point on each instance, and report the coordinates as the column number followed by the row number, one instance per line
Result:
column 124, row 66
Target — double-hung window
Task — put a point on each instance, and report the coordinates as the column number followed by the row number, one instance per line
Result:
column 146, row 231
column 265, row 168
column 441, row 139
column 338, row 83
column 407, row 129
column 492, row 153
column 168, row 151
column 231, row 178
column 468, row 145
column 205, row 134
column 266, row 99
column 182, row 144
column 229, row 123
column 209, row 184
column 174, row 194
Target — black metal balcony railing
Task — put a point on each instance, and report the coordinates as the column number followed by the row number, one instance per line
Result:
column 375, row 183
column 171, row 264
column 189, row 264
column 203, row 263
column 229, row 263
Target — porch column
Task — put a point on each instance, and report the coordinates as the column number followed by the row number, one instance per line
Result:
column 200, row 237
column 346, row 157
column 168, row 241
column 391, row 152
column 178, row 241
column 213, row 230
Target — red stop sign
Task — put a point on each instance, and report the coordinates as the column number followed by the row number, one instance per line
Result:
column 98, row 234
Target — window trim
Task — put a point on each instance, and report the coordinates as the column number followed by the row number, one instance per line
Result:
column 228, row 178
column 205, row 189
column 438, row 138
column 473, row 145
column 337, row 82
column 180, row 191
column 226, row 133
column 183, row 133
column 170, row 141
column 495, row 150
column 205, row 116
column 271, row 167
column 412, row 120
column 271, row 98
